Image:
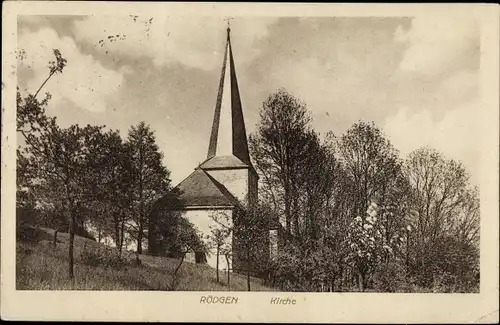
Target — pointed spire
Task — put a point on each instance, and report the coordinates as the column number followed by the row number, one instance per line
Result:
column 228, row 135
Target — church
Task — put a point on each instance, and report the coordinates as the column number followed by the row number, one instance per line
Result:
column 226, row 181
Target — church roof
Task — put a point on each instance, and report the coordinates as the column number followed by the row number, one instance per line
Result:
column 228, row 146
column 223, row 162
column 200, row 189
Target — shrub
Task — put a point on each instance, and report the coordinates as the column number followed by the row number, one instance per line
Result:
column 391, row 277
column 100, row 256
column 27, row 233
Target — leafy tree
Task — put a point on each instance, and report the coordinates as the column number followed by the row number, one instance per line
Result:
column 58, row 156
column 371, row 163
column 218, row 240
column 444, row 204
column 150, row 180
column 188, row 239
column 246, row 227
column 279, row 148
column 174, row 235
column 250, row 238
column 111, row 180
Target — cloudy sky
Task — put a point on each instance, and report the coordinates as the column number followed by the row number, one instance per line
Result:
column 416, row 78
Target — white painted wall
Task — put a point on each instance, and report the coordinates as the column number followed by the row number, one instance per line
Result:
column 203, row 221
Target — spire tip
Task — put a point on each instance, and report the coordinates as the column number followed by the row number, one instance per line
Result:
column 228, row 21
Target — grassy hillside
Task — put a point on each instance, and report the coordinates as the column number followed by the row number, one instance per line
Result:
column 40, row 266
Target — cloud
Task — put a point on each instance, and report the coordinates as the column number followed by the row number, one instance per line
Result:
column 439, row 44
column 439, row 81
column 456, row 135
column 85, row 83
column 192, row 41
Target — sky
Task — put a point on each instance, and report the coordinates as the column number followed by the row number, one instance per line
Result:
column 417, row 78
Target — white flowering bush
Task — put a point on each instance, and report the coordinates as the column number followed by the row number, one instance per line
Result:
column 375, row 238
column 365, row 238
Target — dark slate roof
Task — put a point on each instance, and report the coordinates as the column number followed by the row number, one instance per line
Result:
column 223, row 162
column 200, row 189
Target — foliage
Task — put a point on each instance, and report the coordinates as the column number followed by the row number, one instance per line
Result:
column 102, row 256
column 280, row 150
column 362, row 216
column 71, row 177
column 150, row 180
column 174, row 234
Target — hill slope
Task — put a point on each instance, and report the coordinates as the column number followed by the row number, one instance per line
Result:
column 40, row 266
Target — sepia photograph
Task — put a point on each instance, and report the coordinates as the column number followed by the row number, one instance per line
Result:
column 234, row 153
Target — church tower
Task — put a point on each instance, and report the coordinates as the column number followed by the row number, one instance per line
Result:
column 228, row 160
column 226, row 181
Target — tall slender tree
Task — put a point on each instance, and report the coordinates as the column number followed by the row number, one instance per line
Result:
column 150, row 180
column 280, row 150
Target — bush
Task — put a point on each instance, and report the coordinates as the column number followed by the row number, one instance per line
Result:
column 100, row 256
column 27, row 233
column 392, row 277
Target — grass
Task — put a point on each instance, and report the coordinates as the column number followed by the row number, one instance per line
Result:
column 40, row 266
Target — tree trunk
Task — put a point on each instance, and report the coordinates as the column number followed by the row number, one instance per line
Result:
column 116, row 224
column 139, row 237
column 141, row 204
column 248, row 270
column 228, row 273
column 287, row 210
column 407, row 251
column 217, row 264
column 174, row 275
column 361, row 281
column 70, row 249
column 151, row 237
column 180, row 263
column 99, row 235
column 54, row 242
column 122, row 232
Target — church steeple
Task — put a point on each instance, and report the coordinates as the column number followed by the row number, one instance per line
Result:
column 228, row 135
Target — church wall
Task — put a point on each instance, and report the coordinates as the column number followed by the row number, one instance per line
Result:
column 235, row 180
column 204, row 222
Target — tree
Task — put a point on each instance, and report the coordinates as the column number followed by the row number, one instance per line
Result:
column 243, row 235
column 445, row 205
column 279, row 148
column 31, row 119
column 250, row 234
column 150, row 179
column 188, row 239
column 371, row 163
column 111, row 180
column 59, row 157
column 56, row 155
column 218, row 239
column 174, row 235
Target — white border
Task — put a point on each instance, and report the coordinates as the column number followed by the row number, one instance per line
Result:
column 310, row 307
